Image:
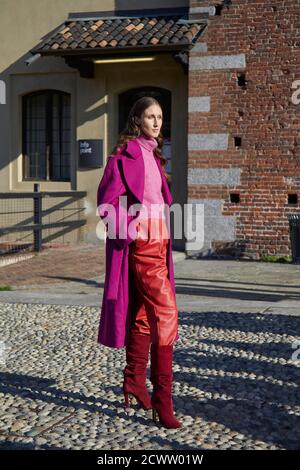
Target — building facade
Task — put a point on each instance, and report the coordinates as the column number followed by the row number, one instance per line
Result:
column 226, row 75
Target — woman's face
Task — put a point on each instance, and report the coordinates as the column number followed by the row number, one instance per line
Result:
column 151, row 120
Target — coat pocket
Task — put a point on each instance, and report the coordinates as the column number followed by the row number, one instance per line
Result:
column 114, row 274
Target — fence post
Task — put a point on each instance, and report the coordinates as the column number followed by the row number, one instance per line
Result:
column 37, row 216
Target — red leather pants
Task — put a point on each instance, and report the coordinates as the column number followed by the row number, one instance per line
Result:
column 154, row 310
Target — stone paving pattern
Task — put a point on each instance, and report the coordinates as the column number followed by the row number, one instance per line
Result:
column 236, row 381
column 62, row 264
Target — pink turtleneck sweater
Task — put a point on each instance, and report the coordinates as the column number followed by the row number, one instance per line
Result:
column 153, row 182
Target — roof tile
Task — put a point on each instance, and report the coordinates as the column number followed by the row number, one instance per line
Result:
column 120, row 32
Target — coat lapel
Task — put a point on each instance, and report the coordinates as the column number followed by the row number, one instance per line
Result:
column 133, row 168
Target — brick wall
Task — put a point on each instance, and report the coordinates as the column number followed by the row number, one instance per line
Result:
column 261, row 40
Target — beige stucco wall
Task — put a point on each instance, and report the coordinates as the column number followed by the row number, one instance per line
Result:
column 114, row 79
column 94, row 102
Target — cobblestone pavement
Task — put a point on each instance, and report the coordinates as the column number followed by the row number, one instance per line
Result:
column 236, row 373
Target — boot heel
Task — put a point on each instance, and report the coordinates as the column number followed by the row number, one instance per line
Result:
column 154, row 415
column 127, row 401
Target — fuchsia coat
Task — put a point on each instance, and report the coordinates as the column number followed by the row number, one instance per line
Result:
column 123, row 175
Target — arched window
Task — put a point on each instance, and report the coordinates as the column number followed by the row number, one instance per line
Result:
column 46, row 135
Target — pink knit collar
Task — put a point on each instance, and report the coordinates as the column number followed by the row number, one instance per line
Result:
column 150, row 143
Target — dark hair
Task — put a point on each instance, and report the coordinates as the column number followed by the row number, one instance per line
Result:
column 132, row 130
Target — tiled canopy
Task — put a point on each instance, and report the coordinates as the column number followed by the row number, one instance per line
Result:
column 110, row 33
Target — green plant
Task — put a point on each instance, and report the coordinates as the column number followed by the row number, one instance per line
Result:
column 276, row 259
column 5, row 288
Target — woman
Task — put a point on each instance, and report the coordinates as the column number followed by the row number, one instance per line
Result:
column 139, row 302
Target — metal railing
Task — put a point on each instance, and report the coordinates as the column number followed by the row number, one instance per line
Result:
column 25, row 218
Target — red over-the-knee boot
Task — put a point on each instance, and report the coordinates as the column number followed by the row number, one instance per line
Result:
column 135, row 371
column 161, row 377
